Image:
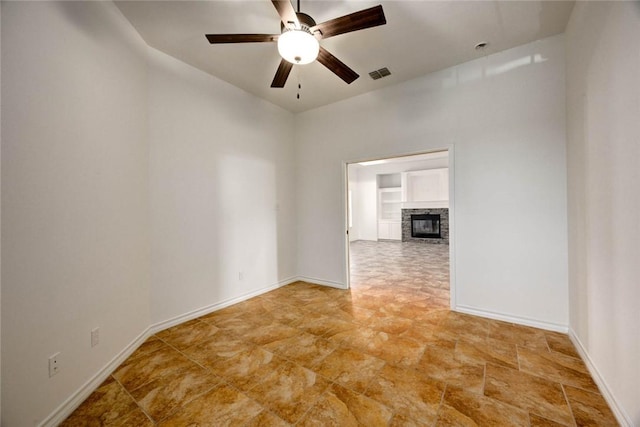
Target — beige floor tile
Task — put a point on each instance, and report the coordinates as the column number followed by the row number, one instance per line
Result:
column 236, row 324
column 407, row 392
column 399, row 420
column 516, row 334
column 267, row 419
column 108, row 381
column 462, row 408
column 589, row 409
column 460, row 325
column 253, row 306
column 105, row 406
column 246, row 369
column 556, row 367
column 289, row 391
column 144, row 369
column 187, row 334
column 288, row 314
column 135, row 418
column 218, row 350
column 400, row 351
column 561, row 343
column 260, row 304
column 391, row 348
column 350, row 368
column 306, row 349
column 420, row 333
column 388, row 323
column 369, row 302
column 429, row 318
column 339, row 406
column 487, row 350
column 322, row 324
column 222, row 405
column 361, row 338
column 163, row 396
column 538, row 421
column 309, row 295
column 325, row 306
column 265, row 334
column 439, row 362
column 152, row 344
column 531, row 393
column 353, row 313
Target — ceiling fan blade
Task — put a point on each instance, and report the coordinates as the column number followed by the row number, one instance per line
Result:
column 366, row 18
column 282, row 74
column 336, row 66
column 287, row 13
column 241, row 38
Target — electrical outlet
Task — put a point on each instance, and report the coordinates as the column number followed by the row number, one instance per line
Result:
column 95, row 337
column 54, row 364
column 240, row 276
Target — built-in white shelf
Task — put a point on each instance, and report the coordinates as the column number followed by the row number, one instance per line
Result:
column 389, row 207
column 390, row 203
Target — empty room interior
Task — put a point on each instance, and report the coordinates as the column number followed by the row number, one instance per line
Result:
column 320, row 213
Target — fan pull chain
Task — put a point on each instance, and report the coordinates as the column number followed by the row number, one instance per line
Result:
column 299, row 87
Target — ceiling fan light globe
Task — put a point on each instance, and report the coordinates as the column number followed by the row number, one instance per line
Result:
column 298, row 47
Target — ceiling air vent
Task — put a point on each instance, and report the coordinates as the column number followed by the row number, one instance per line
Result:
column 378, row 74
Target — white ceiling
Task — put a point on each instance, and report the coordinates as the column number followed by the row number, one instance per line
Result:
column 420, row 37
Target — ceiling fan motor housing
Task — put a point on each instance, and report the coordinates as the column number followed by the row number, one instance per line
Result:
column 306, row 22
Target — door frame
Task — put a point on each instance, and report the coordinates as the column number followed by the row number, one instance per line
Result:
column 452, row 228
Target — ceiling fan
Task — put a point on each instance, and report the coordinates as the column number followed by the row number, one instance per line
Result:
column 298, row 42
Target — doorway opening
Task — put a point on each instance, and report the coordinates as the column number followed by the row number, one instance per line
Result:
column 399, row 222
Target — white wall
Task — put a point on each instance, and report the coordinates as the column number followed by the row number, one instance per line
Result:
column 84, row 145
column 603, row 128
column 135, row 190
column 74, row 198
column 505, row 116
column 366, row 197
column 222, row 190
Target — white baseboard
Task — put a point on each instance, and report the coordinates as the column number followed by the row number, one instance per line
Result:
column 620, row 414
column 160, row 326
column 70, row 405
column 322, row 282
column 512, row 319
column 79, row 396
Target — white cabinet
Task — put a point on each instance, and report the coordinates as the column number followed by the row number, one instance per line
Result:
column 425, row 188
column 390, row 230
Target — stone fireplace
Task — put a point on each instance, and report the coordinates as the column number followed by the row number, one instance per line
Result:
column 425, row 225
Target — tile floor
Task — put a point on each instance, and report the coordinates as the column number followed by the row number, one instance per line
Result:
column 386, row 353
